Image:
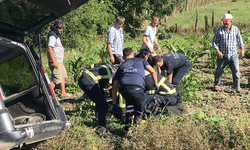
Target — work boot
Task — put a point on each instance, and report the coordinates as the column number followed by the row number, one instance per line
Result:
column 104, row 133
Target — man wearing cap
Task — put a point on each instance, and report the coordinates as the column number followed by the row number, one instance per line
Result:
column 115, row 41
column 55, row 54
column 224, row 42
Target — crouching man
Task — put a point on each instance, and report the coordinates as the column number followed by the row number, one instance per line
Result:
column 92, row 82
column 131, row 78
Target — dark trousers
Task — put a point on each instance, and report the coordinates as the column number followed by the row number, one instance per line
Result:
column 97, row 96
column 165, row 99
column 135, row 96
column 178, row 75
column 118, row 59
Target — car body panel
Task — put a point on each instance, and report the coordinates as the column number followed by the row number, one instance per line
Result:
column 29, row 112
column 21, row 17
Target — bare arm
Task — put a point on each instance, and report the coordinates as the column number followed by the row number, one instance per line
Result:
column 112, row 59
column 156, row 43
column 144, row 40
column 153, row 73
column 50, row 51
column 170, row 78
column 219, row 54
column 242, row 52
column 163, row 73
column 114, row 91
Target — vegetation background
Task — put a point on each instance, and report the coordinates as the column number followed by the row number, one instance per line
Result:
column 213, row 120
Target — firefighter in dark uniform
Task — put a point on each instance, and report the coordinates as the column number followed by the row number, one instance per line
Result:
column 167, row 93
column 176, row 65
column 93, row 82
column 131, row 78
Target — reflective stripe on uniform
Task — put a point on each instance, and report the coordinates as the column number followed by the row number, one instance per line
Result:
column 97, row 78
column 92, row 76
column 109, row 74
column 122, row 104
column 162, row 83
column 92, row 66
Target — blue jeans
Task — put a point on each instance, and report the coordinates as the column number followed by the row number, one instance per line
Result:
column 178, row 75
column 135, row 95
column 233, row 63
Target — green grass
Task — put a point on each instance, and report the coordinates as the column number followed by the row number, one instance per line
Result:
column 202, row 127
column 240, row 10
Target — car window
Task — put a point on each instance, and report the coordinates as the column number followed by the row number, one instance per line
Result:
column 21, row 13
column 16, row 75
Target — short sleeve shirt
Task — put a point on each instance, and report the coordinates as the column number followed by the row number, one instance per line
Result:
column 115, row 38
column 150, row 32
column 131, row 72
column 54, row 41
column 173, row 61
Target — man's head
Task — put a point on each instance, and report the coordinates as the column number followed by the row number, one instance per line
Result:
column 154, row 21
column 128, row 53
column 144, row 53
column 58, row 26
column 119, row 21
column 158, row 61
column 227, row 20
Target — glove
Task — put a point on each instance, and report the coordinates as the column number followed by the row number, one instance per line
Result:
column 115, row 109
column 156, row 89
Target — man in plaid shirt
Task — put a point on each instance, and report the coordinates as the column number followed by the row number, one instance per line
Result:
column 224, row 42
column 115, row 41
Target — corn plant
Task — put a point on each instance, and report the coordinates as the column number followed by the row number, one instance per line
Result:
column 76, row 67
column 102, row 52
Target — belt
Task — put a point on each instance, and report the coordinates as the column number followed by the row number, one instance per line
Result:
column 136, row 87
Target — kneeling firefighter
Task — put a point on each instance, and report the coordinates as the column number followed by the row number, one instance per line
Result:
column 93, row 82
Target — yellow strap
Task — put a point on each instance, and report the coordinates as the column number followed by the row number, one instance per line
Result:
column 121, row 102
column 92, row 66
column 109, row 73
column 92, row 76
column 162, row 83
column 97, row 78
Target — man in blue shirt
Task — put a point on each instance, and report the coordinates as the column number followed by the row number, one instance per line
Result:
column 176, row 65
column 224, row 42
column 131, row 78
column 115, row 41
column 149, row 36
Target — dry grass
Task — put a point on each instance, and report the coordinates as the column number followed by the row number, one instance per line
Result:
column 187, row 132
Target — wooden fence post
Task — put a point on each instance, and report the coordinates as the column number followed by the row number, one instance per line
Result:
column 196, row 20
column 186, row 9
column 213, row 19
column 206, row 23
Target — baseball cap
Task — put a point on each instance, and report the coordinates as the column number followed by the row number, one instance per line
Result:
column 226, row 17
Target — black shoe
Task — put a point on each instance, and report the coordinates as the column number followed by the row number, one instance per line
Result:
column 104, row 133
column 179, row 106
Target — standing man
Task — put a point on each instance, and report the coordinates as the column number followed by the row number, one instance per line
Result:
column 55, row 56
column 149, row 36
column 131, row 78
column 115, row 41
column 176, row 65
column 226, row 37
